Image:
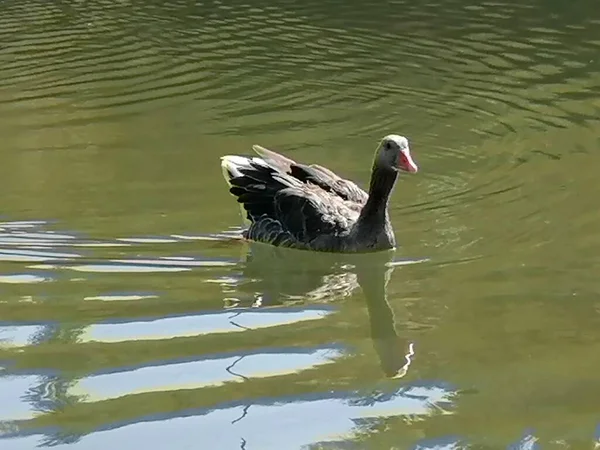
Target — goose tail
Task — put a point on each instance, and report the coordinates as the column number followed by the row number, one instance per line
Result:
column 231, row 166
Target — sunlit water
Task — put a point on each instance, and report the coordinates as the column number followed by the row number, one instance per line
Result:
column 131, row 312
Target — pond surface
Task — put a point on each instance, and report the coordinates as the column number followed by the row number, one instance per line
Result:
column 132, row 314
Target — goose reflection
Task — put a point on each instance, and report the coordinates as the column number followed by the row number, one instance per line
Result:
column 271, row 276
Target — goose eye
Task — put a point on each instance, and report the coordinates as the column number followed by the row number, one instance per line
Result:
column 388, row 146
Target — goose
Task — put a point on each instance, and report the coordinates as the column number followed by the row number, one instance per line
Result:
column 308, row 207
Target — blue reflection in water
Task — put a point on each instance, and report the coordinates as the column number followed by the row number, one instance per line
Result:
column 25, row 334
column 279, row 423
column 205, row 372
column 195, row 325
column 13, row 390
column 20, row 255
column 443, row 443
column 24, row 278
column 527, row 442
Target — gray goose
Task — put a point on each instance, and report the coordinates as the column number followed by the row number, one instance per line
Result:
column 289, row 204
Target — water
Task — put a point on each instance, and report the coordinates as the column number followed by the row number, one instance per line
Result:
column 132, row 314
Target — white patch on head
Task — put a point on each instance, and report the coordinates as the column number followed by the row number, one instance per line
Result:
column 401, row 141
column 394, row 151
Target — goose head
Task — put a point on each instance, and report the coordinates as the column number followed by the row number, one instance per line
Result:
column 394, row 153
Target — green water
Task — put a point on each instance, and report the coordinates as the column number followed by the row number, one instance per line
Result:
column 132, row 315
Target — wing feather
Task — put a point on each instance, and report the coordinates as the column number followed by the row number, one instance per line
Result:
column 316, row 174
column 290, row 204
column 308, row 213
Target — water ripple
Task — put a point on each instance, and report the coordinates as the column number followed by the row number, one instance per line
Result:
column 270, row 57
column 153, row 329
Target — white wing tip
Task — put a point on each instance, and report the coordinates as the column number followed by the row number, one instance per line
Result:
column 230, row 164
column 234, row 160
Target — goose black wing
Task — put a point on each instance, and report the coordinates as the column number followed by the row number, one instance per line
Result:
column 318, row 175
column 302, row 216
